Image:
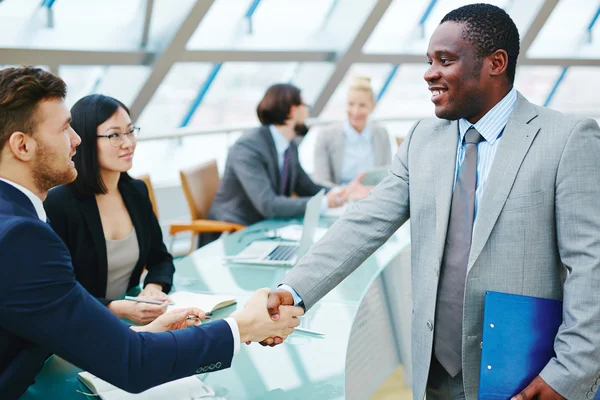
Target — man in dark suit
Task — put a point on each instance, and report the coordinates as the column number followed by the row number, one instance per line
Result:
column 43, row 309
column 263, row 177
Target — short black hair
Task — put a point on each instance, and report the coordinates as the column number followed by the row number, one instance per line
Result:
column 87, row 114
column 489, row 28
column 274, row 108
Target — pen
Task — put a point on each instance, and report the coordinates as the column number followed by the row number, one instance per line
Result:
column 194, row 318
column 308, row 331
column 145, row 300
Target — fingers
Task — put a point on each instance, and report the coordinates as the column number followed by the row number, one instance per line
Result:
column 529, row 392
column 273, row 303
column 196, row 312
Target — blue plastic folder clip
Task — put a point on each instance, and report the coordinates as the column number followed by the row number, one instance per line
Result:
column 518, row 342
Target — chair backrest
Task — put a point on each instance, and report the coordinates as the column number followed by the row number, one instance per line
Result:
column 200, row 184
column 146, row 179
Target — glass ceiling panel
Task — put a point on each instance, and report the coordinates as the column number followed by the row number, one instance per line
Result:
column 407, row 94
column 281, row 24
column 399, row 30
column 173, row 97
column 336, row 106
column 120, row 82
column 77, row 24
column 238, row 87
column 167, row 16
column 571, row 96
column 555, row 40
column 535, row 82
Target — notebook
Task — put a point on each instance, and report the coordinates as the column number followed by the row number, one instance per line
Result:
column 518, row 342
column 180, row 389
column 206, row 302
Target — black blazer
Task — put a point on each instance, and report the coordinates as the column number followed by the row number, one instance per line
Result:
column 76, row 219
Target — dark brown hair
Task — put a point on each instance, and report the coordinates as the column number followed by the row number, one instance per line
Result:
column 21, row 90
column 274, row 108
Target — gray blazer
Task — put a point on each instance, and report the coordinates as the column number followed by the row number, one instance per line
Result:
column 329, row 152
column 537, row 233
column 250, row 186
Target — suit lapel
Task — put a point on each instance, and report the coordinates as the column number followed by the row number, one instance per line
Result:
column 443, row 157
column 134, row 210
column 91, row 214
column 337, row 150
column 518, row 135
column 379, row 146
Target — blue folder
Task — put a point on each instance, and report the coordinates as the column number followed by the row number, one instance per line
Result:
column 517, row 343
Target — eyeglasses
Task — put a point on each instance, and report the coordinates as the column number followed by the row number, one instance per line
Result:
column 116, row 139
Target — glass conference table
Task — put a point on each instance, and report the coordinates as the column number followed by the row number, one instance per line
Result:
column 304, row 366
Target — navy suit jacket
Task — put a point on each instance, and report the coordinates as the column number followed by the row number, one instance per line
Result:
column 44, row 310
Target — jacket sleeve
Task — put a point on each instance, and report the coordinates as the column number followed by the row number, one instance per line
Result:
column 160, row 262
column 40, row 301
column 575, row 369
column 355, row 235
column 250, row 168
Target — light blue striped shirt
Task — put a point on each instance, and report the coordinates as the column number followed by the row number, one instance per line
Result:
column 490, row 126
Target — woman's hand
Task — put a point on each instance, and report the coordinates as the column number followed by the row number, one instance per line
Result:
column 154, row 291
column 137, row 312
column 173, row 320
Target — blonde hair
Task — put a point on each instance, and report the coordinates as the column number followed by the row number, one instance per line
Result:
column 363, row 83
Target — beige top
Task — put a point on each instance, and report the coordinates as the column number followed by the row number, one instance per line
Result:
column 122, row 256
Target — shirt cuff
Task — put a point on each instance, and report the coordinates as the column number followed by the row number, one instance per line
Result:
column 296, row 296
column 235, row 331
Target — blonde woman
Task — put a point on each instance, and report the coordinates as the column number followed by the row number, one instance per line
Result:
column 346, row 149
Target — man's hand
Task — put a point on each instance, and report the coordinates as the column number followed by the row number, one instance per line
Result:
column 538, row 389
column 256, row 324
column 277, row 298
column 139, row 313
column 173, row 320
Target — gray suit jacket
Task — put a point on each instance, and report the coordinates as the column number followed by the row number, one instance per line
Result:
column 329, row 152
column 250, row 186
column 537, row 233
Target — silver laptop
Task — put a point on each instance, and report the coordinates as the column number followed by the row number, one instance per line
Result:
column 286, row 253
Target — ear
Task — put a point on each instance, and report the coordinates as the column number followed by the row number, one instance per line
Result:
column 498, row 62
column 22, row 146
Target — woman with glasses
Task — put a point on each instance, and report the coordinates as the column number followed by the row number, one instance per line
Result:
column 105, row 217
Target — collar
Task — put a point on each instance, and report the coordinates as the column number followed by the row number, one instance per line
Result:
column 36, row 201
column 491, row 125
column 353, row 135
column 281, row 143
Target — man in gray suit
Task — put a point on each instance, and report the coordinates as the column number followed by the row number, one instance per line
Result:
column 502, row 196
column 263, row 171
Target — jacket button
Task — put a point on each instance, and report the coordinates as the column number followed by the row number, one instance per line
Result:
column 218, row 364
column 595, row 388
column 429, row 325
column 199, row 370
column 589, row 395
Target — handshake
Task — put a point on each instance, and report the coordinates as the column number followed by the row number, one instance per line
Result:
column 268, row 318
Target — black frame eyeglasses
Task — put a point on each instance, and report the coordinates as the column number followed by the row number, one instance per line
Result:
column 116, row 139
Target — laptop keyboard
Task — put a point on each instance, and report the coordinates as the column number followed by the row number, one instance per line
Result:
column 283, row 252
